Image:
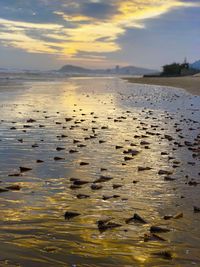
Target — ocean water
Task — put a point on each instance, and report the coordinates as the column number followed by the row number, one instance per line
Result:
column 115, row 127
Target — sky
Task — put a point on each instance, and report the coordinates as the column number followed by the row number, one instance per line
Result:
column 46, row 34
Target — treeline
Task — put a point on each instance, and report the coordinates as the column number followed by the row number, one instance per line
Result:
column 177, row 69
column 174, row 69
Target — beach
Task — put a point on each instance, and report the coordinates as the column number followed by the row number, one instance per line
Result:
column 189, row 83
column 98, row 172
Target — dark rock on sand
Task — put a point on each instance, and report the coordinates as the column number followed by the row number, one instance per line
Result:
column 58, row 158
column 104, row 225
column 74, row 187
column 115, row 186
column 82, row 196
column 96, row 187
column 80, row 182
column 39, row 161
column 196, row 209
column 103, row 179
column 14, row 187
column 2, row 190
column 153, row 237
column 164, row 254
column 25, row 169
column 168, row 178
column 83, row 163
column 60, row 148
column 70, row 214
column 14, row 174
column 168, row 217
column 127, row 158
column 118, row 147
column 164, row 172
column 140, row 168
column 136, row 218
column 73, row 151
column 158, row 229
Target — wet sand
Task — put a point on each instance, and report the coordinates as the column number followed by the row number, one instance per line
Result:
column 189, row 83
column 99, row 172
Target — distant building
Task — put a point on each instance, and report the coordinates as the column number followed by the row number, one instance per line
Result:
column 117, row 69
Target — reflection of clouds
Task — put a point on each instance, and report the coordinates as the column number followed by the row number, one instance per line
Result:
column 84, row 27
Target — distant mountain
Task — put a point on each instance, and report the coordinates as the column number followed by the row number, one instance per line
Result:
column 73, row 69
column 129, row 70
column 196, row 65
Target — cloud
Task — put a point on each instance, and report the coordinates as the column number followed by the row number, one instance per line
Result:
column 91, row 27
column 97, row 10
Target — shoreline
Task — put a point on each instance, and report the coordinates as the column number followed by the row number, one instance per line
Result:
column 189, row 83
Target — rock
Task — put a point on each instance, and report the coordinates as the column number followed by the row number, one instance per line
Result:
column 80, row 182
column 82, row 196
column 168, row 178
column 157, row 229
column 68, row 119
column 39, row 161
column 14, row 187
column 58, row 158
column 115, row 186
column 27, row 126
column 127, row 158
column 153, row 237
column 76, row 141
column 136, row 218
column 96, row 187
column 131, row 151
column 14, row 174
column 60, row 148
column 107, row 197
column 196, row 209
column 140, row 168
column 103, row 179
column 83, row 163
column 104, row 225
column 70, row 214
column 73, row 151
column 30, row 121
column 164, row 172
column 74, row 187
column 118, row 147
column 63, row 136
column 164, row 254
column 178, row 215
column 164, row 153
column 2, row 190
column 168, row 137
column 192, row 183
column 35, row 145
column 101, row 141
column 50, row 249
column 168, row 217
column 24, row 169
column 144, row 143
column 81, row 145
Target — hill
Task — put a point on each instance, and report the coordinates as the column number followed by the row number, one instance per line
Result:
column 129, row 70
column 196, row 65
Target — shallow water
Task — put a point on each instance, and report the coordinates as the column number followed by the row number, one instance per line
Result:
column 33, row 231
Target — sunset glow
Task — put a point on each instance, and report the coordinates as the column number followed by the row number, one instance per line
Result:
column 81, row 29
